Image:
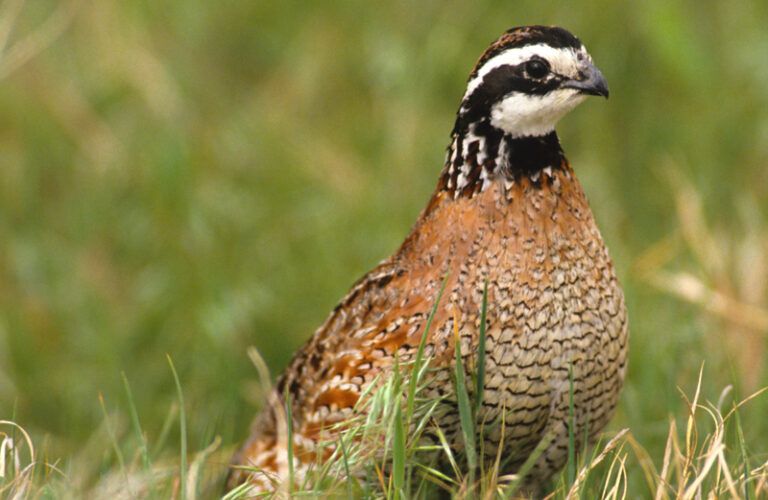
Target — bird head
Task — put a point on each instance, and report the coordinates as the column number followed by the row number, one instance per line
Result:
column 528, row 79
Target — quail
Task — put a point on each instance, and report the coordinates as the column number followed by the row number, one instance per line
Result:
column 508, row 214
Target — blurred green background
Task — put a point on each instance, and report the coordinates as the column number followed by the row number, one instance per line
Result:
column 196, row 177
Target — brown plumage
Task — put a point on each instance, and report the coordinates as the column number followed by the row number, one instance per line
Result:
column 508, row 209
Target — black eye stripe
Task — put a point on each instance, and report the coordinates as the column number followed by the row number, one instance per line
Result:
column 498, row 83
column 506, row 78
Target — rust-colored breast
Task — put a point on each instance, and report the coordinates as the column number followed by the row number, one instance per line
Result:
column 555, row 307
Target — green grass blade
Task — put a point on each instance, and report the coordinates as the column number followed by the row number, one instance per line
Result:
column 465, row 408
column 165, row 430
column 145, row 461
column 182, row 430
column 743, row 451
column 345, row 461
column 413, row 381
column 595, row 452
column 240, row 492
column 112, row 436
column 432, row 471
column 524, row 469
column 398, row 455
column 481, row 352
column 289, row 428
column 448, row 452
column 571, row 430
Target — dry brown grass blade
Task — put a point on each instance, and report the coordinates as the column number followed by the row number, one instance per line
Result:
column 696, row 466
column 616, row 441
column 726, row 275
column 616, row 488
column 196, row 467
column 691, row 434
column 761, row 484
column 692, row 289
column 731, row 485
column 646, row 463
column 20, row 484
column 668, row 450
column 261, row 368
column 692, row 491
column 693, row 224
column 9, row 12
column 21, row 52
column 497, row 460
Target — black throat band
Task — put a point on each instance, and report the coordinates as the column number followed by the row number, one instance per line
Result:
column 480, row 154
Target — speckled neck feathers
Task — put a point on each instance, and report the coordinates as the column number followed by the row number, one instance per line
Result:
column 480, row 154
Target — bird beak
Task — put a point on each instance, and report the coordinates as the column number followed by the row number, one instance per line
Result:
column 591, row 81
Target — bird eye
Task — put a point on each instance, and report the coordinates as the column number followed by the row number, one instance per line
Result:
column 537, row 68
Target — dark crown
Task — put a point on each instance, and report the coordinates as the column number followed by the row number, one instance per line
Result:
column 520, row 36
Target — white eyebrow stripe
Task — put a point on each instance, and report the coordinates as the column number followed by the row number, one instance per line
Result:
column 513, row 57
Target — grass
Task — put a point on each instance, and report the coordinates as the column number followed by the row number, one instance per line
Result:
column 182, row 433
column 466, row 415
column 194, row 180
column 140, row 438
column 705, row 456
column 570, row 467
column 289, row 439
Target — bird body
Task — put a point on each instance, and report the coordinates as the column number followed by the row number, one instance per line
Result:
column 508, row 211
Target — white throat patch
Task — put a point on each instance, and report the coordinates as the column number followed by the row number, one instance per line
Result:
column 521, row 115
